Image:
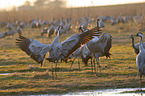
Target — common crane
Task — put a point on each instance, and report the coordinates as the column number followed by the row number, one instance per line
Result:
column 82, row 52
column 3, row 35
column 57, row 51
column 50, row 31
column 39, row 23
column 136, row 47
column 83, row 24
column 44, row 31
column 101, row 24
column 140, row 60
column 86, row 55
column 33, row 23
column 100, row 47
column 19, row 30
column 9, row 26
column 11, row 32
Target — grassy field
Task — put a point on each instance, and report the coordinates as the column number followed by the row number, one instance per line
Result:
column 27, row 77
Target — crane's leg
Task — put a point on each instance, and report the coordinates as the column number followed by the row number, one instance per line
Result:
column 140, row 82
column 98, row 65
column 72, row 64
column 92, row 64
column 79, row 64
column 52, row 69
column 41, row 64
column 56, row 69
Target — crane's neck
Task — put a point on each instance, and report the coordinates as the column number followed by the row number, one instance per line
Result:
column 133, row 43
column 141, row 44
column 56, row 40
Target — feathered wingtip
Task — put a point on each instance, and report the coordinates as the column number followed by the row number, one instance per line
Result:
column 97, row 31
column 108, row 55
column 20, row 40
column 23, row 43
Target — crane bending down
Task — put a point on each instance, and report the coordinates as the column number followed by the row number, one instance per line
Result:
column 136, row 47
column 57, row 51
column 100, row 47
column 140, row 60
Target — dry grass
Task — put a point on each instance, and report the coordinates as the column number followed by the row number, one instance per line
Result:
column 29, row 78
column 75, row 13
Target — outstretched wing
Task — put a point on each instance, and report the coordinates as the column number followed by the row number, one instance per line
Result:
column 75, row 41
column 33, row 48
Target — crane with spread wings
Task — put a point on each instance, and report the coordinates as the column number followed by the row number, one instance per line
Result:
column 57, row 51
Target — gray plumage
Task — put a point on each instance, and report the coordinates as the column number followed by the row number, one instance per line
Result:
column 101, row 24
column 82, row 52
column 100, row 47
column 3, row 23
column 65, row 29
column 11, row 32
column 9, row 26
column 114, row 21
column 23, row 25
column 120, row 19
column 50, row 31
column 19, row 30
column 33, row 23
column 39, row 23
column 140, row 60
column 44, row 31
column 62, row 21
column 86, row 54
column 57, row 51
column 3, row 35
column 136, row 47
column 83, row 25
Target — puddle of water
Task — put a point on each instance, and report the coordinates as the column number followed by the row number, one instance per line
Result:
column 103, row 92
column 4, row 65
column 107, row 92
column 5, row 73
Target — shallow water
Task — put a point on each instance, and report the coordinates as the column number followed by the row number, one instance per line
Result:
column 4, row 65
column 5, row 73
column 101, row 92
column 108, row 92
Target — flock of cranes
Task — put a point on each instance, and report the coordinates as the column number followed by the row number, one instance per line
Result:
column 94, row 44
column 82, row 22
